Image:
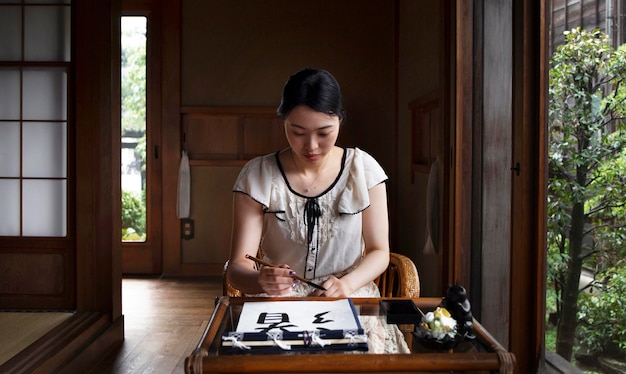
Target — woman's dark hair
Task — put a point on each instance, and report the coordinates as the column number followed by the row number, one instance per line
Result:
column 317, row 89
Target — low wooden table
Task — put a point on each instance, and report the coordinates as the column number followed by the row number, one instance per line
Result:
column 483, row 355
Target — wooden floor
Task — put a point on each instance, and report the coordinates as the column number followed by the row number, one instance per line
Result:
column 164, row 320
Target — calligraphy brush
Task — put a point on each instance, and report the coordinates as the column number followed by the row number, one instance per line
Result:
column 265, row 263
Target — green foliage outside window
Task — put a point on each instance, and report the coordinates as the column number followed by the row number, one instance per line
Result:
column 603, row 314
column 134, row 78
column 133, row 120
column 133, row 216
column 587, row 195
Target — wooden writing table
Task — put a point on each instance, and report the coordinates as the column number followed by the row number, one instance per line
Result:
column 484, row 355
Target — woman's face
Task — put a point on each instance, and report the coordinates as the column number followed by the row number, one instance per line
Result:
column 311, row 134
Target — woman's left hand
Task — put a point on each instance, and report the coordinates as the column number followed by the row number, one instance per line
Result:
column 335, row 287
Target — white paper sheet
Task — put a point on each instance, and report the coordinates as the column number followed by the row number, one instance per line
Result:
column 293, row 316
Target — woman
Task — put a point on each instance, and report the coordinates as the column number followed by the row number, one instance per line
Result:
column 315, row 209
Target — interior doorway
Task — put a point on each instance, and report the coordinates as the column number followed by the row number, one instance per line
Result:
column 141, row 162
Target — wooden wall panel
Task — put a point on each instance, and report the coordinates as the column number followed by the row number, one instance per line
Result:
column 262, row 136
column 219, row 141
column 211, row 137
column 231, row 133
column 17, row 273
column 426, row 124
column 37, row 273
column 170, row 132
column 212, row 215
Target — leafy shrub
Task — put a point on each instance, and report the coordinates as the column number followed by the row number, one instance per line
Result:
column 133, row 217
column 602, row 313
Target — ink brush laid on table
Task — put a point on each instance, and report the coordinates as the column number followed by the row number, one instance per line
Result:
column 301, row 279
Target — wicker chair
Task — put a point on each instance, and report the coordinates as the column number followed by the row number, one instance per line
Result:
column 401, row 279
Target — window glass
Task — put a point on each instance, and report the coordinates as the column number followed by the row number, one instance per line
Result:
column 44, row 207
column 134, row 129
column 9, row 150
column 45, row 150
column 10, row 33
column 46, row 33
column 35, row 50
column 10, row 93
column 9, row 207
column 44, row 94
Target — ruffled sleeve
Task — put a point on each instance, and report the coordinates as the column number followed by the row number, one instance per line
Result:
column 255, row 179
column 363, row 173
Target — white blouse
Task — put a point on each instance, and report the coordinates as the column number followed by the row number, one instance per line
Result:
column 316, row 236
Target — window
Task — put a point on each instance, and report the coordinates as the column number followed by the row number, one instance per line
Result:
column 34, row 65
column 134, row 31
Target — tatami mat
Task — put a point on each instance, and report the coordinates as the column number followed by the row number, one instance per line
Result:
column 20, row 329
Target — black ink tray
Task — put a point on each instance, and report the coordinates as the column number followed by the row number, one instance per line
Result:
column 400, row 311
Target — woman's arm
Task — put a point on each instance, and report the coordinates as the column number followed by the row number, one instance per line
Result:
column 376, row 238
column 246, row 237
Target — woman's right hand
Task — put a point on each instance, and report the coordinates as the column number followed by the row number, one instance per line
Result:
column 277, row 281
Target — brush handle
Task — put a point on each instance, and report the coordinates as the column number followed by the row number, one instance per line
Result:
column 301, row 279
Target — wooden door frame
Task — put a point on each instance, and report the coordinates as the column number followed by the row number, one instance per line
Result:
column 146, row 257
column 526, row 303
column 171, row 135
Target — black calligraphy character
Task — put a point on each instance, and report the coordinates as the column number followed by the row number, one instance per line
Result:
column 276, row 325
column 265, row 318
column 274, row 321
column 319, row 318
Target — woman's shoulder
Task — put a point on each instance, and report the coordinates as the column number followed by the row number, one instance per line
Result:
column 361, row 156
column 260, row 163
column 357, row 158
column 256, row 172
column 267, row 159
column 362, row 172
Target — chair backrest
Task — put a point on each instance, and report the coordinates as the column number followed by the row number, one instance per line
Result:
column 401, row 279
column 227, row 288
